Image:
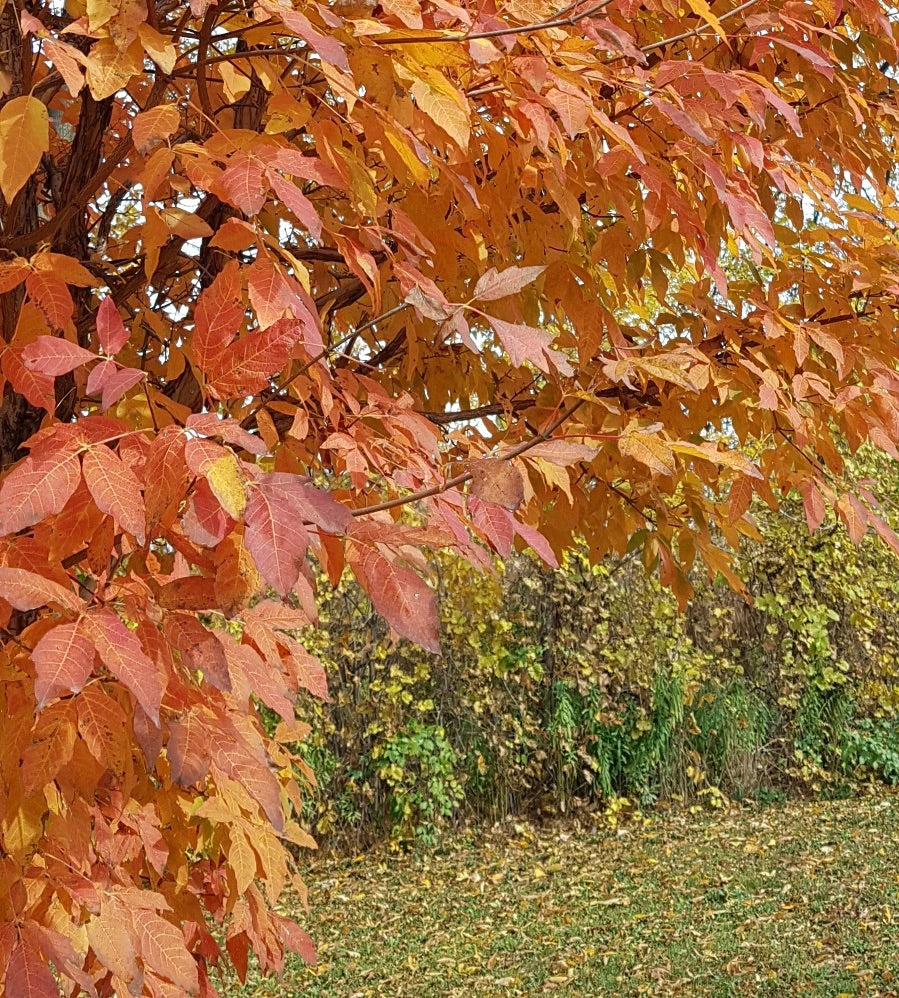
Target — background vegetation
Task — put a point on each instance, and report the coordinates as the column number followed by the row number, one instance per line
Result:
column 588, row 687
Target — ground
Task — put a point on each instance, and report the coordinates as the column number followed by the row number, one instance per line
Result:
column 788, row 899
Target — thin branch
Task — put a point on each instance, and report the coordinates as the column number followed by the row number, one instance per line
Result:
column 700, row 30
column 466, row 415
column 461, row 479
column 247, row 421
column 555, row 22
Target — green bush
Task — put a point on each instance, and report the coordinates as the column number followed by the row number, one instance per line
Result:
column 586, row 685
column 871, row 748
column 418, row 767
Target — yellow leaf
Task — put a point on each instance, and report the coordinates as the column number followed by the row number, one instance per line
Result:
column 420, row 173
column 99, row 12
column 709, row 452
column 555, row 477
column 227, row 484
column 184, row 223
column 444, row 105
column 21, row 826
column 109, row 70
column 24, row 138
column 702, row 9
column 158, row 47
column 242, row 860
column 648, row 449
column 407, row 11
column 236, row 83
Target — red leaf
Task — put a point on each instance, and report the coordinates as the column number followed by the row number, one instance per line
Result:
column 201, row 454
column 496, row 523
column 218, row 316
column 121, row 652
column 54, row 356
column 230, row 430
column 112, row 381
column 273, row 616
column 199, row 648
column 63, row 659
column 270, row 292
column 52, row 296
column 500, row 284
column 740, row 497
column 241, row 184
column 309, row 672
column 813, row 502
column 534, row 539
column 58, row 948
column 854, row 514
column 37, row 388
column 163, row 951
column 28, row 975
column 275, row 537
column 205, row 522
column 187, row 749
column 526, row 343
column 115, row 490
column 328, row 48
column 36, row 489
column 293, row 198
column 885, row 531
column 27, row 591
column 683, row 121
column 295, row 939
column 298, row 164
column 166, row 475
column 247, row 365
column 315, row 505
column 232, row 755
column 253, row 675
column 402, row 598
column 110, row 329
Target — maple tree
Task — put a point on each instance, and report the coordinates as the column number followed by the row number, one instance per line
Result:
column 273, row 274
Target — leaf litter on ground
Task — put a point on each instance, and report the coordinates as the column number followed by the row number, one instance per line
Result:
column 794, row 899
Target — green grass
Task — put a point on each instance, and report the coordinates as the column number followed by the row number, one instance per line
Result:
column 794, row 899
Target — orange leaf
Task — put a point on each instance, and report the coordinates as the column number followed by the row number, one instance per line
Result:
column 28, row 975
column 36, row 489
column 497, row 481
column 63, row 660
column 398, row 594
column 121, row 652
column 24, row 138
column 163, row 950
column 115, row 489
column 26, row 591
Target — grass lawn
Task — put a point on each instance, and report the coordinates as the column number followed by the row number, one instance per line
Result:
column 795, row 899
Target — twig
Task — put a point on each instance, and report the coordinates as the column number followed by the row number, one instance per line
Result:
column 465, row 476
column 521, row 29
column 702, row 29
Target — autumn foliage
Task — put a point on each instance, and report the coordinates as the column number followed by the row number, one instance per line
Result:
column 272, row 275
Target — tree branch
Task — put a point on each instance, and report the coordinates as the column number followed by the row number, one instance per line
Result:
column 461, row 479
column 555, row 22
